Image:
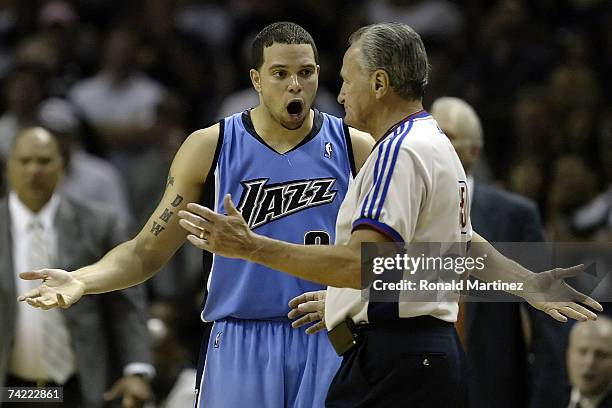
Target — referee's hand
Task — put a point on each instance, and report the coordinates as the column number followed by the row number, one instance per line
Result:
column 309, row 307
column 548, row 292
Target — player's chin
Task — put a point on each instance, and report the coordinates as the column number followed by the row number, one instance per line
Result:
column 293, row 121
column 292, row 124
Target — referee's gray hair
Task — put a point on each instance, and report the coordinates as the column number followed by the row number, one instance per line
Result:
column 463, row 115
column 398, row 50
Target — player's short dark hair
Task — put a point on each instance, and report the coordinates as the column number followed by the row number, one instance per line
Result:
column 398, row 50
column 283, row 32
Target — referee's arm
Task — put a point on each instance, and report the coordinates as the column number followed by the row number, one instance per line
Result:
column 330, row 265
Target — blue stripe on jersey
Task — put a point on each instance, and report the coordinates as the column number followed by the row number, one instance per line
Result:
column 370, row 199
column 398, row 144
column 370, row 196
column 380, row 227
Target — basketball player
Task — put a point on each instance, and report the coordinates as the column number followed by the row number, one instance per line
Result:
column 290, row 166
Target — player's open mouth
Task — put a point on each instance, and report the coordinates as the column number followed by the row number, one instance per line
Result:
column 295, row 107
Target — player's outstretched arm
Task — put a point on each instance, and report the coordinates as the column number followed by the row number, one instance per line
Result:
column 138, row 259
column 546, row 291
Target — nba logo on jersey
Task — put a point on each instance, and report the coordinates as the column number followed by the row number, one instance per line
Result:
column 217, row 340
column 328, row 150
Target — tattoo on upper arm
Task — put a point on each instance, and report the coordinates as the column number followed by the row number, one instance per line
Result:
column 157, row 228
column 170, row 181
column 177, row 201
column 165, row 216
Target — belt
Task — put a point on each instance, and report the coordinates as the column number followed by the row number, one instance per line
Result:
column 347, row 334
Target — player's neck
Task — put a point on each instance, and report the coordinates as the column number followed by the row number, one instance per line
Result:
column 390, row 113
column 274, row 134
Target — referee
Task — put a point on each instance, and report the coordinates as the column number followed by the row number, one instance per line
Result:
column 411, row 189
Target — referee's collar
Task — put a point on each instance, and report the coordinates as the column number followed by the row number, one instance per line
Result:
column 418, row 114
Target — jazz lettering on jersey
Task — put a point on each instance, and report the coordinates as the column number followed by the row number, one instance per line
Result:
column 261, row 203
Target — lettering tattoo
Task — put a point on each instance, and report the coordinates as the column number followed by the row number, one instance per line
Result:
column 165, row 217
column 170, row 181
column 157, row 228
column 178, row 200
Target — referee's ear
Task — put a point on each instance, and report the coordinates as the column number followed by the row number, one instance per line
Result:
column 380, row 83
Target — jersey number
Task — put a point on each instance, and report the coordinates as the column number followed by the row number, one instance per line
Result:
column 316, row 238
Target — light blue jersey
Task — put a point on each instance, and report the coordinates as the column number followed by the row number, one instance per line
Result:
column 292, row 197
column 254, row 357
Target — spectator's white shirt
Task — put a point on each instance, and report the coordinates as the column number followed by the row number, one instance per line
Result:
column 576, row 397
column 27, row 360
column 130, row 103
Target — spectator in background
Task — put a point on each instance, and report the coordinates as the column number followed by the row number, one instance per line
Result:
column 62, row 35
column 87, row 178
column 595, row 218
column 527, row 178
column 23, row 92
column 538, row 134
column 589, row 364
column 119, row 102
column 576, row 114
column 431, row 18
column 578, row 81
column 182, row 61
column 500, row 337
column 572, row 185
column 37, row 216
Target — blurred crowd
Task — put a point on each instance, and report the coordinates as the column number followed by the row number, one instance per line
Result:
column 136, row 77
column 122, row 83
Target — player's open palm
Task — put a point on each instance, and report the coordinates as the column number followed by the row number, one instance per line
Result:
column 59, row 288
column 548, row 292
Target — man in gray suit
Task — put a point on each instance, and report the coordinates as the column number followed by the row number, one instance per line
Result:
column 494, row 331
column 589, row 364
column 38, row 227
